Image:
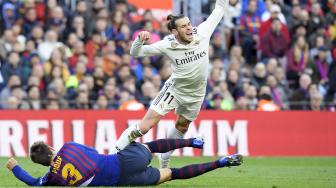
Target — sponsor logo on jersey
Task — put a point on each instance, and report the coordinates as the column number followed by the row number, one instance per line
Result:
column 191, row 57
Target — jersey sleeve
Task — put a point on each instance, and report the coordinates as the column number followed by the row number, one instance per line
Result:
column 22, row 175
column 207, row 27
column 140, row 50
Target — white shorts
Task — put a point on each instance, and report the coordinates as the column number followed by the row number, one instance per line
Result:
column 168, row 100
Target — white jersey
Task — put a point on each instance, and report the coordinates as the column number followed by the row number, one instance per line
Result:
column 189, row 62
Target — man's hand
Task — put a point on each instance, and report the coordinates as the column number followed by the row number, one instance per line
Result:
column 144, row 36
column 11, row 163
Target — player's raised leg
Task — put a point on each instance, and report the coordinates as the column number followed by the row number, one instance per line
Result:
column 194, row 170
column 130, row 134
column 165, row 145
column 159, row 107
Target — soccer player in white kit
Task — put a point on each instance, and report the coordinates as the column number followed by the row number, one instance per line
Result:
column 187, row 48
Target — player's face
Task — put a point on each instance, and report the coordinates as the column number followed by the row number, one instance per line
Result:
column 184, row 30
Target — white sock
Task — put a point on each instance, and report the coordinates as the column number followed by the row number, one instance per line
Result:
column 173, row 134
column 128, row 136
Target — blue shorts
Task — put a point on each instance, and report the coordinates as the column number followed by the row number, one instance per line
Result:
column 134, row 161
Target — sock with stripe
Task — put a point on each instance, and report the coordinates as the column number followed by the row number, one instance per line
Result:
column 194, row 170
column 165, row 145
column 175, row 134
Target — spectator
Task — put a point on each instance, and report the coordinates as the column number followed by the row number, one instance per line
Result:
column 30, row 20
column 270, row 7
column 110, row 92
column 271, row 66
column 266, row 25
column 83, row 12
column 259, row 78
column 260, row 6
column 57, row 61
column 274, row 43
column 298, row 59
column 316, row 102
column 320, row 42
column 278, row 94
column 51, row 42
column 236, row 54
column 12, row 103
column 242, row 103
column 8, row 15
column 233, row 85
column 317, row 18
column 105, row 30
column 128, row 102
column 281, row 79
column 251, row 95
column 332, row 82
column 332, row 105
column 57, row 21
column 102, row 103
column 320, row 67
column 7, row 42
column 148, row 92
column 265, row 102
column 32, row 101
column 36, row 36
column 216, row 102
column 53, row 104
column 223, row 89
column 147, row 25
column 15, row 66
column 78, row 27
column 13, row 80
column 250, row 24
column 300, row 97
column 82, row 101
column 293, row 19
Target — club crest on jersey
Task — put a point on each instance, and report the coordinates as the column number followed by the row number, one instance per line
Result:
column 173, row 44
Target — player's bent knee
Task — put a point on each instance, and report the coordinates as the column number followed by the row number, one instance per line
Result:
column 165, row 175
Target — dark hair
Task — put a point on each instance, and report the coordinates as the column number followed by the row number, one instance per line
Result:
column 172, row 19
column 40, row 153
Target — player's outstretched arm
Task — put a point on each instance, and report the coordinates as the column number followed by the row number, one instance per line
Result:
column 21, row 174
column 208, row 27
column 138, row 48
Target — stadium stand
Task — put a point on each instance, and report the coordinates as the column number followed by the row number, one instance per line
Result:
column 59, row 54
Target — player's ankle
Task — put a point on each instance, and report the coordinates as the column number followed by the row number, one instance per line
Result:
column 197, row 143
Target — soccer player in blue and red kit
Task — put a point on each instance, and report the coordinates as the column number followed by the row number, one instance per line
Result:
column 79, row 165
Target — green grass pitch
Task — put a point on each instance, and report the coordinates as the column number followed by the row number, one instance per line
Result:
column 255, row 172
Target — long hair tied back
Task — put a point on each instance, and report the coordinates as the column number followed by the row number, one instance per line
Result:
column 172, row 19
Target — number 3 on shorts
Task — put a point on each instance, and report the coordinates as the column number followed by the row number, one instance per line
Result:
column 70, row 170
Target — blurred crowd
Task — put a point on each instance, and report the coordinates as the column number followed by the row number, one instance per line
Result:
column 266, row 55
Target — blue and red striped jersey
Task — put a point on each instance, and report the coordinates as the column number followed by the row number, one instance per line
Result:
column 77, row 164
